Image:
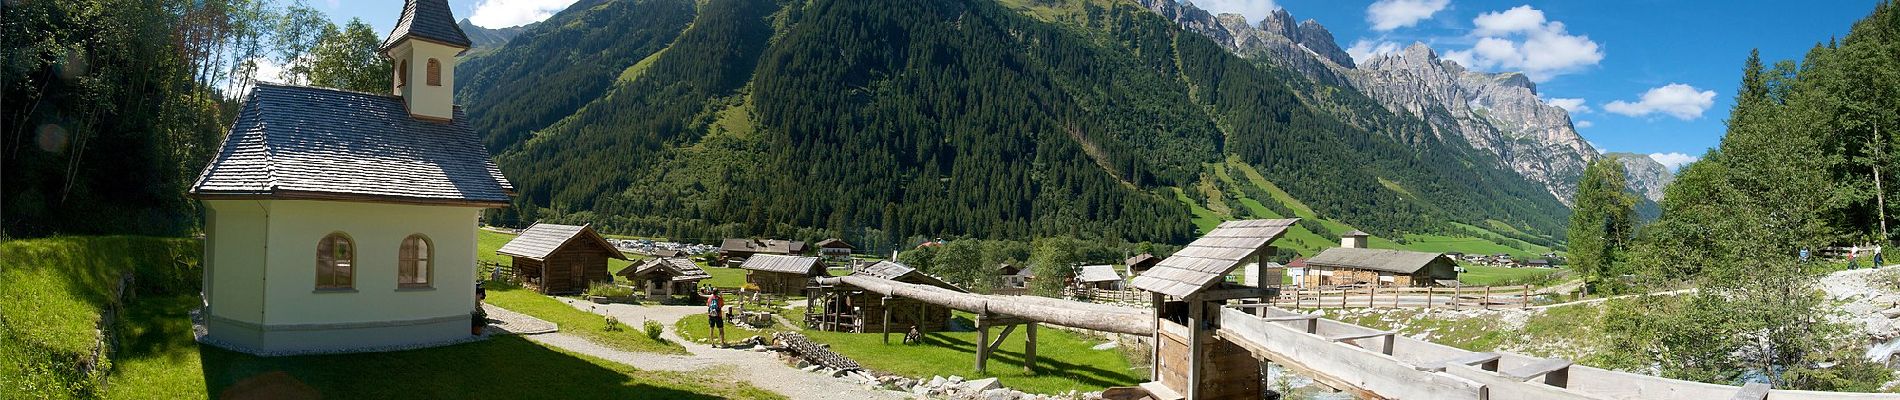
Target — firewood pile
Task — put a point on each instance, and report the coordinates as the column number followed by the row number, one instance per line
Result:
column 814, row 352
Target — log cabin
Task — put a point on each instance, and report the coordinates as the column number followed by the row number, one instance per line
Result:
column 786, row 275
column 560, row 259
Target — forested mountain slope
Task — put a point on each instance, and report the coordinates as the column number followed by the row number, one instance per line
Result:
column 881, row 121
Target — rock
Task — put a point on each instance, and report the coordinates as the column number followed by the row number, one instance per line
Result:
column 802, row 364
column 1106, row 346
column 809, row 368
column 955, row 379
column 999, row 394
column 1891, row 313
column 981, row 385
column 936, row 381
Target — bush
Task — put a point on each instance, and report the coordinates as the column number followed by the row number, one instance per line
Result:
column 653, row 329
column 613, row 325
column 605, row 289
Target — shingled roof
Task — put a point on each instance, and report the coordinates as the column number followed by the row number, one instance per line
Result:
column 428, row 20
column 1395, row 261
column 895, row 271
column 783, row 264
column 298, row 142
column 541, row 240
column 679, row 269
column 1097, row 273
column 1207, row 260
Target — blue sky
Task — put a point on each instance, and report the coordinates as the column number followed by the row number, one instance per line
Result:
column 1642, row 76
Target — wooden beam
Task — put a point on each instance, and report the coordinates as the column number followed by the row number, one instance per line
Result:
column 1388, row 335
column 887, row 319
column 1233, row 293
column 982, row 347
column 1753, row 391
column 1197, row 316
column 1485, row 361
column 1556, row 372
column 1000, row 337
column 1029, row 347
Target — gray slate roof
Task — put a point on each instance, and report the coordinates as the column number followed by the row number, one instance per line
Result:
column 1395, row 261
column 895, row 271
column 1097, row 273
column 768, row 246
column 1138, row 259
column 1207, row 260
column 427, row 19
column 784, row 264
column 320, row 143
column 680, row 269
column 541, row 240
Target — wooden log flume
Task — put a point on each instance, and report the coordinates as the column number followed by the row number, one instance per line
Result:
column 1074, row 314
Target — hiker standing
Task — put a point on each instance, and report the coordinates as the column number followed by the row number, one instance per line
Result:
column 715, row 316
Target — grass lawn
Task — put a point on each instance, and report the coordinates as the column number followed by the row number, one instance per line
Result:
column 160, row 361
column 722, row 277
column 579, row 323
column 1064, row 360
column 53, row 292
column 1486, row 276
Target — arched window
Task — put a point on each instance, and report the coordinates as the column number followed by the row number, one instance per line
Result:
column 336, row 262
column 435, row 73
column 413, row 265
column 402, row 73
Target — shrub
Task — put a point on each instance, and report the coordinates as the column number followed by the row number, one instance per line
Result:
column 613, row 325
column 653, row 329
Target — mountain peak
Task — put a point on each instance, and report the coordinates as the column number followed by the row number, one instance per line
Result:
column 1420, row 51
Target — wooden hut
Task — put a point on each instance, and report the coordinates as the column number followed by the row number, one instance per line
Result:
column 738, row 250
column 1141, row 263
column 860, row 310
column 666, row 277
column 1099, row 277
column 787, row 275
column 1189, row 291
column 1381, row 267
column 560, row 259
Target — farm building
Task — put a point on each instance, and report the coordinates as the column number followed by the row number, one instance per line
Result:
column 1141, row 263
column 343, row 221
column 560, row 259
column 787, row 275
column 835, row 248
column 738, row 250
column 666, row 277
column 1012, row 279
column 1354, row 266
column 852, row 309
column 1101, row 277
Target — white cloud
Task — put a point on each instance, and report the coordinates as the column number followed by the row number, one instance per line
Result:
column 1363, row 50
column 507, row 13
column 1386, row 15
column 1574, row 106
column 1673, row 161
column 1582, row 124
column 1520, row 39
column 1676, row 100
column 1514, row 20
column 1255, row 10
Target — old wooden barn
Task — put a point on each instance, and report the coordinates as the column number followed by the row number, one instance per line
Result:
column 787, row 275
column 560, row 259
column 666, row 277
column 851, row 309
column 1380, row 267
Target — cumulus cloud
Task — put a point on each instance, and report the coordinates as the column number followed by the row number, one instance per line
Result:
column 1363, row 50
column 1582, row 124
column 1521, row 39
column 1574, row 106
column 1385, row 15
column 1674, row 161
column 507, row 13
column 1255, row 10
column 1676, row 100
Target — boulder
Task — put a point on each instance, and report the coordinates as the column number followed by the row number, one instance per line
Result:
column 981, row 385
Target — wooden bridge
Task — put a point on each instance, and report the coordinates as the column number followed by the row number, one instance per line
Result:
column 1213, row 338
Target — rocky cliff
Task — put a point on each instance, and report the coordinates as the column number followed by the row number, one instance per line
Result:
column 1646, row 176
column 1499, row 113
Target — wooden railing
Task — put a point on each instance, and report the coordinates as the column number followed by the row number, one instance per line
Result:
column 1466, row 297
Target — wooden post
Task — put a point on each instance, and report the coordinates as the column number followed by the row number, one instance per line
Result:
column 1197, row 314
column 1029, row 348
column 1428, row 296
column 1395, row 297
column 887, row 319
column 1527, row 297
column 1486, row 301
column 1372, row 292
column 982, row 343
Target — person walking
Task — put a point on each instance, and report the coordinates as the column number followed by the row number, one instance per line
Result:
column 716, row 316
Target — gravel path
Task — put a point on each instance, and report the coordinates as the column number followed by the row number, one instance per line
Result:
column 761, row 369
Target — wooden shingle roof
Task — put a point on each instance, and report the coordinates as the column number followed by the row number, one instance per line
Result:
column 895, row 271
column 1395, row 261
column 541, row 240
column 835, row 243
column 1207, row 260
column 679, row 269
column 427, row 20
column 299, row 142
column 769, row 246
column 1097, row 273
column 783, row 264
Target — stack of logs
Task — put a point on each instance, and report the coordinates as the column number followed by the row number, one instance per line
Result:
column 814, row 352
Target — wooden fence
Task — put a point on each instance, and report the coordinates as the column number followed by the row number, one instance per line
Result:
column 1466, row 297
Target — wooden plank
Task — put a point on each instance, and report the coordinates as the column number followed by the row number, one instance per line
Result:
column 1357, row 336
column 1159, row 391
column 1486, row 361
column 1753, row 391
column 1554, row 370
column 1000, row 337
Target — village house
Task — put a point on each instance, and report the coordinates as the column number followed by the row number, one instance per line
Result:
column 1012, row 279
column 856, row 310
column 1380, row 267
column 835, row 249
column 346, row 221
column 735, row 251
column 1098, row 277
column 666, row 277
column 787, row 275
column 1140, row 263
column 560, row 259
